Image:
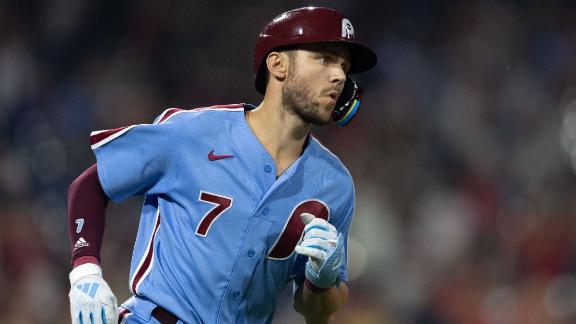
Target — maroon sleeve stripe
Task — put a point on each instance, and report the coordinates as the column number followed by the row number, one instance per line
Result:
column 98, row 136
column 168, row 113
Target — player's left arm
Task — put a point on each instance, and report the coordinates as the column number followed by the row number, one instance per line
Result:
column 319, row 305
column 322, row 292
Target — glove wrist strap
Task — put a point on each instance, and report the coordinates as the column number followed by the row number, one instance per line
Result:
column 324, row 279
column 84, row 270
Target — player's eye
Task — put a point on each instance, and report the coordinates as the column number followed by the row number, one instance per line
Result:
column 346, row 67
column 324, row 59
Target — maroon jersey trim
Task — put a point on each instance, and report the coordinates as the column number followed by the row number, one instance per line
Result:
column 146, row 262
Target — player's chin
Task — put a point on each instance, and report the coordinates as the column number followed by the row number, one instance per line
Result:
column 328, row 111
column 324, row 117
column 322, row 114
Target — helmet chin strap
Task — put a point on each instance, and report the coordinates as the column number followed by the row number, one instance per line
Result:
column 348, row 103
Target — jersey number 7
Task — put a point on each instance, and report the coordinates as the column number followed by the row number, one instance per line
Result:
column 221, row 204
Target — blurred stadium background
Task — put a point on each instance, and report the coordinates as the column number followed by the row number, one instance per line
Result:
column 463, row 155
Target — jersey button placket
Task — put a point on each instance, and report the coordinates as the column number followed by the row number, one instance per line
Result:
column 251, row 253
column 235, row 294
column 267, row 169
column 265, row 211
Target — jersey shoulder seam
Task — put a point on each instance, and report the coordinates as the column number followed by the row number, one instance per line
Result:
column 171, row 112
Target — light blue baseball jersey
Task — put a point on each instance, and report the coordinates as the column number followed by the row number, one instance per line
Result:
column 218, row 229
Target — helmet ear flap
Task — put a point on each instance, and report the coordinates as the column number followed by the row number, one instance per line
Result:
column 348, row 103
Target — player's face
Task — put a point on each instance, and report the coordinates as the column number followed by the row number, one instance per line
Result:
column 315, row 80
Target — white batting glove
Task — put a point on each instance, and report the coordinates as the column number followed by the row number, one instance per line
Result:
column 325, row 248
column 91, row 300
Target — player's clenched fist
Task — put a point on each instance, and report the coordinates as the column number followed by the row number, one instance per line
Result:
column 91, row 300
column 325, row 248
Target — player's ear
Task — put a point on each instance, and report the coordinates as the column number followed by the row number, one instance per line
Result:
column 277, row 64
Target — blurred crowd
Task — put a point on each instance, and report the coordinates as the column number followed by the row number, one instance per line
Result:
column 463, row 154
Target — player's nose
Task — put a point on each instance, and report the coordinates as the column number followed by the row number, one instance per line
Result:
column 338, row 75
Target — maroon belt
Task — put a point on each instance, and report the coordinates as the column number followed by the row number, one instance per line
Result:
column 163, row 316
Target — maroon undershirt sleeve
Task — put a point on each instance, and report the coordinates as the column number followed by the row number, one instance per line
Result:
column 86, row 217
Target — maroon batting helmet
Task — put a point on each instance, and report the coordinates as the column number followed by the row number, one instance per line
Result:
column 305, row 26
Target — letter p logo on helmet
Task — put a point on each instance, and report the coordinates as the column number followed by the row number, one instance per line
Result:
column 347, row 29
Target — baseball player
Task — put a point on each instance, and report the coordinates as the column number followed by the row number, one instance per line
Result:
column 239, row 200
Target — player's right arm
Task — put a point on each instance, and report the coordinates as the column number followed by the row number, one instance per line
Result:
column 133, row 160
column 91, row 299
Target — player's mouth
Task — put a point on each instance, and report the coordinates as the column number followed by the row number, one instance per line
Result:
column 333, row 95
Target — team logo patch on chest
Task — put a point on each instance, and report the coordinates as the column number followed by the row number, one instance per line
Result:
column 294, row 227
